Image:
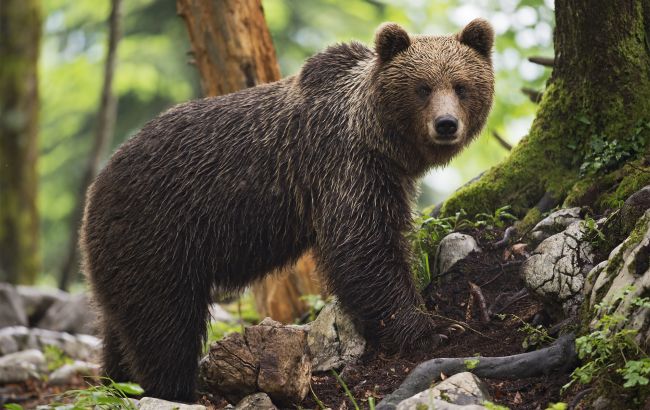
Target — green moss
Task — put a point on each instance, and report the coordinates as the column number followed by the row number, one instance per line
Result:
column 637, row 177
column 533, row 216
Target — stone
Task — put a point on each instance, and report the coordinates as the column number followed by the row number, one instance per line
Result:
column 257, row 401
column 64, row 374
column 73, row 315
column 460, row 391
column 556, row 222
column 624, row 278
column 270, row 357
column 557, row 269
column 80, row 347
column 333, row 339
column 150, row 403
column 633, row 209
column 12, row 310
column 453, row 248
column 38, row 300
column 20, row 366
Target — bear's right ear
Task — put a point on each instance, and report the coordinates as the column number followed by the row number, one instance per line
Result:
column 479, row 35
column 390, row 40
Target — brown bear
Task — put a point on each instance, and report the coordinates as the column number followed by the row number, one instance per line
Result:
column 216, row 193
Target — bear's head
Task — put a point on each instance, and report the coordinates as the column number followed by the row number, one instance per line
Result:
column 435, row 91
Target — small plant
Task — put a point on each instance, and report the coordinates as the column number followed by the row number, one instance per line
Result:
column 592, row 233
column 557, row 406
column 605, row 154
column 471, row 364
column 492, row 406
column 346, row 389
column 535, row 335
column 111, row 396
column 55, row 357
column 499, row 219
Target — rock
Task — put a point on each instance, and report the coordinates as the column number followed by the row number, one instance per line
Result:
column 453, row 247
column 73, row 315
column 65, row 374
column 460, row 391
column 219, row 314
column 333, row 339
column 20, row 366
column 555, row 223
column 557, row 269
column 633, row 209
column 149, row 403
column 80, row 347
column 12, row 310
column 257, row 401
column 269, row 357
column 626, row 273
column 37, row 301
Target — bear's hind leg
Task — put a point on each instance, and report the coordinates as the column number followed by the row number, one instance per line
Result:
column 113, row 360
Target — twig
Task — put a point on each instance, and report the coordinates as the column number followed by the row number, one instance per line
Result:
column 505, row 144
column 513, row 299
column 543, row 61
column 460, row 322
column 480, row 299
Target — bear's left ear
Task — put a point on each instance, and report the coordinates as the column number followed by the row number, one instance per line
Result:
column 390, row 40
column 479, row 35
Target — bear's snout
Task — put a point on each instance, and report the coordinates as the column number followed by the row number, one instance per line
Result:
column 446, row 127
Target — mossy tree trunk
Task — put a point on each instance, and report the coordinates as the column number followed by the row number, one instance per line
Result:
column 599, row 92
column 232, row 49
column 20, row 32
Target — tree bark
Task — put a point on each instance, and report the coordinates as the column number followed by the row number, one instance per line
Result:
column 20, row 32
column 232, row 49
column 104, row 135
column 600, row 86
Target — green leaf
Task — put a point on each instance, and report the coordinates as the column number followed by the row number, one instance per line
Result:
column 129, row 388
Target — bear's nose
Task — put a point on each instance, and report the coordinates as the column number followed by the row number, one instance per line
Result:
column 446, row 126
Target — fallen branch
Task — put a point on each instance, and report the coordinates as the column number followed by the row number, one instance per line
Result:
column 534, row 95
column 505, row 144
column 477, row 294
column 559, row 357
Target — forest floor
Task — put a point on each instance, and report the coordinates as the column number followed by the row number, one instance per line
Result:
column 511, row 331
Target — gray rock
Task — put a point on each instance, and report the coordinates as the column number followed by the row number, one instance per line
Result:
column 65, row 374
column 73, row 315
column 333, row 339
column 258, row 401
column 12, row 310
column 20, row 366
column 269, row 357
column 80, row 347
column 634, row 208
column 626, row 273
column 453, row 248
column 556, row 222
column 149, row 403
column 460, row 391
column 557, row 269
column 38, row 300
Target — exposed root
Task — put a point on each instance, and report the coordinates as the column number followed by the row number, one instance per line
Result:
column 478, row 297
column 560, row 357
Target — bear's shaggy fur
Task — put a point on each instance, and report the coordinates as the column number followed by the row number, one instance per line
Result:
column 217, row 192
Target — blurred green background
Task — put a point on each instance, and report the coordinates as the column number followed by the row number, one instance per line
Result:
column 153, row 73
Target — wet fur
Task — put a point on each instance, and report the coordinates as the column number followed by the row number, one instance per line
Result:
column 217, row 192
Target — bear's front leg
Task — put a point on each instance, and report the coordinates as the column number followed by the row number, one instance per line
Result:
column 365, row 256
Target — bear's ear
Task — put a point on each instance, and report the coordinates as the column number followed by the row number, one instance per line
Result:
column 479, row 35
column 390, row 40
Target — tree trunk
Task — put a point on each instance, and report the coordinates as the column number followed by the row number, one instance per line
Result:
column 20, row 32
column 233, row 50
column 103, row 137
column 599, row 92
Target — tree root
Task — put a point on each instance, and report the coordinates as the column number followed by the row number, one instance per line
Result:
column 559, row 357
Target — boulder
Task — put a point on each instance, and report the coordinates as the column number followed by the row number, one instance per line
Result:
column 73, row 315
column 20, row 366
column 633, row 209
column 557, row 268
column 64, row 374
column 460, row 391
column 38, row 300
column 555, row 223
column 219, row 314
column 80, row 347
column 270, row 357
column 453, row 248
column 333, row 339
column 12, row 310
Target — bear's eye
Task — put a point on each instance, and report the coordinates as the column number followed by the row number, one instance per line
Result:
column 460, row 91
column 423, row 91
